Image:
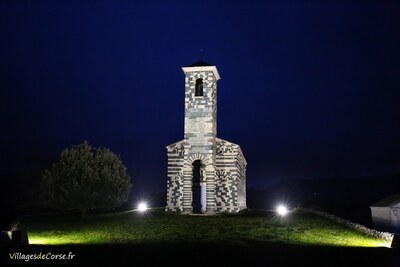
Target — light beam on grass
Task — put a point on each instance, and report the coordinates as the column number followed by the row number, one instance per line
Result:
column 124, row 228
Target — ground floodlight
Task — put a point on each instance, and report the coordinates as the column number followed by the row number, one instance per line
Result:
column 142, row 207
column 282, row 210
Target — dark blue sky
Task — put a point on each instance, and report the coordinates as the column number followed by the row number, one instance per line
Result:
column 308, row 88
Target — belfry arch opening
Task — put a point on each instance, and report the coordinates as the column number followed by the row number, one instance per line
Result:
column 199, row 87
column 196, row 187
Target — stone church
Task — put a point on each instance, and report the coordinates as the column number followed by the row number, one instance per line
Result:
column 206, row 174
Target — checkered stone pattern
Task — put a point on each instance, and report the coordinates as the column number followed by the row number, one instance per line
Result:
column 200, row 133
column 231, row 180
column 175, row 177
column 200, row 113
column 223, row 164
column 226, row 190
column 240, row 164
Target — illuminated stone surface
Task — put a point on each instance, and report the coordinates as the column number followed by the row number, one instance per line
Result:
column 220, row 182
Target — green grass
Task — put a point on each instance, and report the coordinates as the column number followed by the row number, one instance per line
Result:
column 297, row 229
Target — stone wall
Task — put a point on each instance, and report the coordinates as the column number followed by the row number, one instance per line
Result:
column 200, row 113
column 175, row 154
column 223, row 166
column 371, row 232
column 200, row 134
column 231, row 180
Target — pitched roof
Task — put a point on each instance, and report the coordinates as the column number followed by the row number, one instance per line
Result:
column 175, row 143
column 200, row 64
column 387, row 201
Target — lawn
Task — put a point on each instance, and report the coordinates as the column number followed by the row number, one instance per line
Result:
column 158, row 227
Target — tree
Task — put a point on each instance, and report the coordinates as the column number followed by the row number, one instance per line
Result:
column 85, row 178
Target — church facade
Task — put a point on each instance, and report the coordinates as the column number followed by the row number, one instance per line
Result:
column 206, row 174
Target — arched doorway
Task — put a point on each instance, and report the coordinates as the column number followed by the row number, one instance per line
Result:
column 196, row 187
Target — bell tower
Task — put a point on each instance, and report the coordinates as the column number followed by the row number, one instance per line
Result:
column 201, row 106
column 200, row 136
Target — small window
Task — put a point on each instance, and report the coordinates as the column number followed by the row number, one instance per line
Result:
column 199, row 87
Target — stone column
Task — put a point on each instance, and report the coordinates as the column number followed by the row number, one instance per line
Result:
column 187, row 191
column 203, row 196
column 210, row 188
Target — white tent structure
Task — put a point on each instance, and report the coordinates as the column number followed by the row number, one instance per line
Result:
column 386, row 214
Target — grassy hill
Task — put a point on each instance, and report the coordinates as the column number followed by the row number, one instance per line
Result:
column 348, row 198
column 156, row 226
column 159, row 239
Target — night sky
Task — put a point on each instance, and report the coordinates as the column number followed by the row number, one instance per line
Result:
column 309, row 89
